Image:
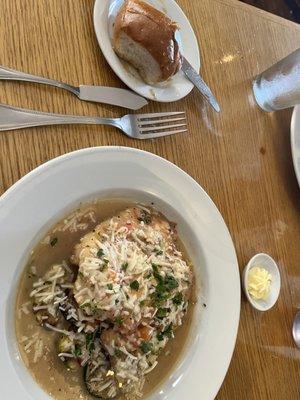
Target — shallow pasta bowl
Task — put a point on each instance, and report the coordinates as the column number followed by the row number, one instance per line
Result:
column 42, row 197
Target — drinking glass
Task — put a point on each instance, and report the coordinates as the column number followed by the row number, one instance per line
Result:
column 279, row 86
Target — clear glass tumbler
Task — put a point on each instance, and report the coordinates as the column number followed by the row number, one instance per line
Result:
column 279, row 86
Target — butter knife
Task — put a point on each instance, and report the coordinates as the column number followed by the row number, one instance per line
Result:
column 100, row 94
column 196, row 79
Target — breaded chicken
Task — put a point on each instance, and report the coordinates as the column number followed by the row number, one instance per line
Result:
column 116, row 257
column 134, row 280
column 131, row 291
column 152, row 223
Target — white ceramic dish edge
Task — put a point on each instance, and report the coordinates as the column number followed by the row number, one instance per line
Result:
column 295, row 141
column 179, row 86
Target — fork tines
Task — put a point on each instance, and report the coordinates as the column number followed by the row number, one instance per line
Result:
column 161, row 124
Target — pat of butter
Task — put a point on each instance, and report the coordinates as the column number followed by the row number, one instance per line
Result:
column 259, row 283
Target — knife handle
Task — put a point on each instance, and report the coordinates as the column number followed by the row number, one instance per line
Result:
column 8, row 74
column 17, row 118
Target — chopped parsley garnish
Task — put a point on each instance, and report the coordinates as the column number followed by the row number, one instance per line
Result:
column 135, row 285
column 146, row 347
column 145, row 217
column 162, row 313
column 155, row 268
column 164, row 286
column 160, row 295
column 142, row 303
column 171, row 283
column 124, row 266
column 168, row 332
column 119, row 320
column 77, row 351
column 100, row 253
column 94, row 308
column 156, row 274
column 110, row 286
column 178, row 299
column 158, row 252
column 104, row 265
column 90, row 338
column 85, row 304
column 148, row 276
column 118, row 353
column 53, row 241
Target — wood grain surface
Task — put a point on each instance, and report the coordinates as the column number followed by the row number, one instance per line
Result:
column 241, row 157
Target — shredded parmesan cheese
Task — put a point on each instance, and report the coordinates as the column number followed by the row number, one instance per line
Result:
column 132, row 287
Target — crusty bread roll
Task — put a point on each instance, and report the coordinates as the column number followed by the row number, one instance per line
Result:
column 145, row 38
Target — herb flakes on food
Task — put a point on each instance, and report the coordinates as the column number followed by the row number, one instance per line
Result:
column 118, row 353
column 90, row 339
column 77, row 351
column 146, row 347
column 168, row 332
column 158, row 252
column 124, row 266
column 164, row 286
column 162, row 313
column 100, row 253
column 170, row 283
column 177, row 299
column 134, row 285
column 119, row 320
column 145, row 217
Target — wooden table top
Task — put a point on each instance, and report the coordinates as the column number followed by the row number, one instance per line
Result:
column 241, row 157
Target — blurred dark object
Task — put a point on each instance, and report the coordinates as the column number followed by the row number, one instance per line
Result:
column 289, row 9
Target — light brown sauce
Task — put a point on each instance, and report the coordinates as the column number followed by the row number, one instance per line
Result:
column 49, row 372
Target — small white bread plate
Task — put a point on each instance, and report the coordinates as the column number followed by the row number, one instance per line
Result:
column 45, row 195
column 295, row 140
column 174, row 89
column 265, row 261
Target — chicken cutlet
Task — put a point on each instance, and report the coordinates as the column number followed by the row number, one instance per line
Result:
column 119, row 301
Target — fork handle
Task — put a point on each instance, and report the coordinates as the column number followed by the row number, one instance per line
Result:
column 8, row 74
column 18, row 118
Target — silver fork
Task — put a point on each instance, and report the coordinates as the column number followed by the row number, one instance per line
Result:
column 136, row 126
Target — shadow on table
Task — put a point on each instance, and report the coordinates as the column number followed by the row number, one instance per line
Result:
column 289, row 9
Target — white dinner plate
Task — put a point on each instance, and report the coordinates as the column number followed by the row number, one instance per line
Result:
column 174, row 89
column 295, row 140
column 42, row 197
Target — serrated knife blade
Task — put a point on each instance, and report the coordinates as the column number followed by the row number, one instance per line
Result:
column 196, row 79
